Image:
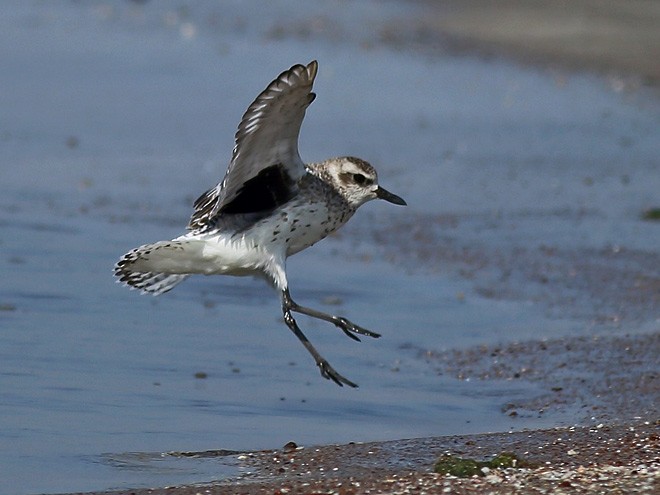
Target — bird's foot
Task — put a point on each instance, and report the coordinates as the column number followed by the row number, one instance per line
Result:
column 350, row 328
column 329, row 373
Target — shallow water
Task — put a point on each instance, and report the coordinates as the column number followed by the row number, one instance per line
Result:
column 115, row 117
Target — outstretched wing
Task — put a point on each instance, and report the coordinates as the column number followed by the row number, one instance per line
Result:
column 265, row 165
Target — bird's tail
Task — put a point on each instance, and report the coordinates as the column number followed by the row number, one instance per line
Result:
column 149, row 282
column 157, row 268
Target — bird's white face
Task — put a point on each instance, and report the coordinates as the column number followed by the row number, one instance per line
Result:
column 357, row 181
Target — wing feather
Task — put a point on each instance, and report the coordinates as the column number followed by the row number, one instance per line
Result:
column 267, row 138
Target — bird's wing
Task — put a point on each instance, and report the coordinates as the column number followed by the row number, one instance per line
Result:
column 265, row 165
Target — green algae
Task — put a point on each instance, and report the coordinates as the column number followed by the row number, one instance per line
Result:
column 466, row 467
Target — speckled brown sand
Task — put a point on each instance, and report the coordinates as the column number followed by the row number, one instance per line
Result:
column 617, row 391
column 600, row 459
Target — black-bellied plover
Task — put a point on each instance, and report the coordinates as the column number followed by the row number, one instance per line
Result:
column 269, row 206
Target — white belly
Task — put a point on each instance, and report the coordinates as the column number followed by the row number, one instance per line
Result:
column 223, row 255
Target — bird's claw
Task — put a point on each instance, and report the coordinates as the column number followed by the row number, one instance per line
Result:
column 350, row 328
column 329, row 373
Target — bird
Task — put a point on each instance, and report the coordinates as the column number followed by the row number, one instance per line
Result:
column 269, row 206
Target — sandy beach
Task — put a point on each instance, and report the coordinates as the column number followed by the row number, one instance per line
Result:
column 599, row 459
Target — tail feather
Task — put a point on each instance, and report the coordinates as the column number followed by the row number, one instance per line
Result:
column 149, row 282
column 141, row 267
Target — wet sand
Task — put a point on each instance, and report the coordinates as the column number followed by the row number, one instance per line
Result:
column 618, row 39
column 598, row 459
column 616, row 391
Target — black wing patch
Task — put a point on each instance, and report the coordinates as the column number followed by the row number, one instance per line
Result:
column 270, row 188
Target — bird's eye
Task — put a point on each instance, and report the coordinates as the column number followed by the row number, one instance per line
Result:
column 359, row 179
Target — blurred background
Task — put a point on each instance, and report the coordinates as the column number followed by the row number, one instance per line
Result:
column 524, row 136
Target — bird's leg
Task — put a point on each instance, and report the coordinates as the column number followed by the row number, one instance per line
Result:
column 327, row 371
column 348, row 327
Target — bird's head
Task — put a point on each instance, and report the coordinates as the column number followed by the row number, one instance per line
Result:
column 356, row 181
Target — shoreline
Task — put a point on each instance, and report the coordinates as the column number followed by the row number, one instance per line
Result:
column 613, row 448
column 622, row 458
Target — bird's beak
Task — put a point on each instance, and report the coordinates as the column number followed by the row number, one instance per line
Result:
column 388, row 196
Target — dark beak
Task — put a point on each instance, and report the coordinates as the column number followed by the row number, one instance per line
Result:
column 388, row 196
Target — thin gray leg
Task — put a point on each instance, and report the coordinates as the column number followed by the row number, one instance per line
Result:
column 347, row 326
column 327, row 371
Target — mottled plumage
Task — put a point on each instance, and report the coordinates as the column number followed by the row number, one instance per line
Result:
column 269, row 206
